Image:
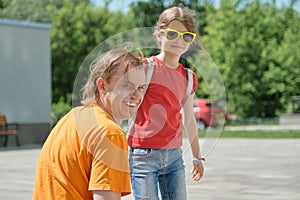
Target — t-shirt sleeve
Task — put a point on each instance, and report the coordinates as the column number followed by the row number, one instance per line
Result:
column 110, row 169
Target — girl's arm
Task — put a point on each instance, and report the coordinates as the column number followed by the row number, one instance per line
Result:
column 190, row 126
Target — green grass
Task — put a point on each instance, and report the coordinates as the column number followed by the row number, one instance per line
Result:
column 255, row 134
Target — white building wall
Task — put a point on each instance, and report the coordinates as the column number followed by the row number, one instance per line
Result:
column 25, row 71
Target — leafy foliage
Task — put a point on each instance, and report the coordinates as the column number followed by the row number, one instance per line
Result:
column 27, row 10
column 142, row 9
column 250, row 46
column 59, row 109
column 31, row 10
column 3, row 3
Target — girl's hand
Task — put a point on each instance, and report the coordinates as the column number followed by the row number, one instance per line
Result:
column 197, row 171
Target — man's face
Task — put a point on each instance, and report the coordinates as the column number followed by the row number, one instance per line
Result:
column 125, row 93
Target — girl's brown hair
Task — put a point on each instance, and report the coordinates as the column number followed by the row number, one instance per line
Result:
column 105, row 67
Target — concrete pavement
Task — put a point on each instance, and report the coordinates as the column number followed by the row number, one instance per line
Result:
column 235, row 169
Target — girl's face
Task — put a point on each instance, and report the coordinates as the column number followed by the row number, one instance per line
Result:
column 177, row 46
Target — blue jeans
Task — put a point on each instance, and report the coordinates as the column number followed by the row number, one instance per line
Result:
column 153, row 168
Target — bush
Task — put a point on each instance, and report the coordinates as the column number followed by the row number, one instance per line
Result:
column 59, row 109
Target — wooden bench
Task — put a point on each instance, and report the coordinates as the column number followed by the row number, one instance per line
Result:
column 7, row 129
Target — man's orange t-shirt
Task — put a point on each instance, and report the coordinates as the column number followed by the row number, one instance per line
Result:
column 86, row 151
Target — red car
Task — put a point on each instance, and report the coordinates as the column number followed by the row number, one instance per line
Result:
column 208, row 114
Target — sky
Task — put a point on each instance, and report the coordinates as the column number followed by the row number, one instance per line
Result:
column 115, row 5
column 123, row 5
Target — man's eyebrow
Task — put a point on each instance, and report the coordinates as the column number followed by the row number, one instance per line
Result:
column 132, row 83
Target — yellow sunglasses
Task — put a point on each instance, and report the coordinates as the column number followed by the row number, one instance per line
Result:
column 172, row 35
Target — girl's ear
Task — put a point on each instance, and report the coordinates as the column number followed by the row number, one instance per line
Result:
column 158, row 36
column 100, row 85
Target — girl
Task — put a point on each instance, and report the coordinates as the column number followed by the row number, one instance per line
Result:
column 155, row 138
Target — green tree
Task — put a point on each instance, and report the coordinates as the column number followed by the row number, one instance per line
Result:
column 142, row 9
column 31, row 10
column 282, row 79
column 243, row 40
column 3, row 3
column 26, row 10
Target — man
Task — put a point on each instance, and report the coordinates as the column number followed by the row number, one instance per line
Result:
column 85, row 155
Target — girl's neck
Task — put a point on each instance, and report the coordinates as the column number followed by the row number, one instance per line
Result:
column 170, row 60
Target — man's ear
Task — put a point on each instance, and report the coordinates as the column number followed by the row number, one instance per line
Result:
column 100, row 85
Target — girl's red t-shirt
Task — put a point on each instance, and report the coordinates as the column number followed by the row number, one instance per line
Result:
column 158, row 122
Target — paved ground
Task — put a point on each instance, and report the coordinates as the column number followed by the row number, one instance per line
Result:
column 236, row 169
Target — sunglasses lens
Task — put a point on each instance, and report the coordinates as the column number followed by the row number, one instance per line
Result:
column 172, row 35
column 187, row 37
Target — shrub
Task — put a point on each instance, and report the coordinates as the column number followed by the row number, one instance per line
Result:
column 59, row 109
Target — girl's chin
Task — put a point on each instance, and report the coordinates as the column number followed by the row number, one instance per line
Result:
column 175, row 53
